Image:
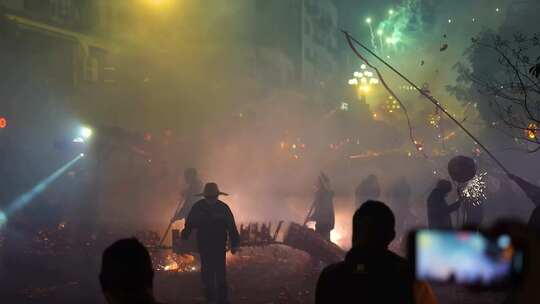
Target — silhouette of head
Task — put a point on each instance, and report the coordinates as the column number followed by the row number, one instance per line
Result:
column 444, row 185
column 373, row 226
column 126, row 272
column 211, row 191
column 190, row 174
column 372, row 178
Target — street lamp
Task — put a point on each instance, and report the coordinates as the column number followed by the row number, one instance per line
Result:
column 363, row 80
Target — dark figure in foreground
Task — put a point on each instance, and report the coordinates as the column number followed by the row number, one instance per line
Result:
column 438, row 210
column 368, row 189
column 370, row 273
column 213, row 221
column 189, row 194
column 323, row 208
column 533, row 193
column 126, row 273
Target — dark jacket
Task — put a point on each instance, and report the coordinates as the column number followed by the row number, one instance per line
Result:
column 364, row 277
column 213, row 222
column 323, row 212
column 438, row 211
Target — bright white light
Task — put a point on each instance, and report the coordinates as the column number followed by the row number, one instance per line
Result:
column 390, row 40
column 363, row 67
column 391, row 12
column 78, row 140
column 369, row 74
column 368, row 20
column 374, row 81
column 86, row 132
column 335, row 236
column 379, row 32
column 449, row 20
column 81, row 155
column 357, row 74
column 353, row 81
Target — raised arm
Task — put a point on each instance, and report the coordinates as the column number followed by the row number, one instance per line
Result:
column 532, row 191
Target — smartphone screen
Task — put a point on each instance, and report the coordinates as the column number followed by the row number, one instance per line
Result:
column 465, row 258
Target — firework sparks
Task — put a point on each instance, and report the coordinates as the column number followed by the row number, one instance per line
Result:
column 475, row 190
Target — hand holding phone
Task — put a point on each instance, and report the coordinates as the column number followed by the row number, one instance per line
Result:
column 465, row 257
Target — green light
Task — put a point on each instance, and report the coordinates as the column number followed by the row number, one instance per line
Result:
column 391, row 12
column 379, row 32
column 368, row 20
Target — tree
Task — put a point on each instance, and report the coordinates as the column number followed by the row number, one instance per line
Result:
column 503, row 79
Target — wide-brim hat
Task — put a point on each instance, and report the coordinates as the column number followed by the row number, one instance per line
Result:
column 211, row 190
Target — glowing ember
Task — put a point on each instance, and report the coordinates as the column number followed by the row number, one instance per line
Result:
column 172, row 266
column 475, row 190
column 178, row 263
column 531, row 131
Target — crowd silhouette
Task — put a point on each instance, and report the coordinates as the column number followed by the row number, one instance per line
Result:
column 370, row 272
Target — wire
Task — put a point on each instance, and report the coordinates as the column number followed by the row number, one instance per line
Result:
column 381, row 78
column 351, row 39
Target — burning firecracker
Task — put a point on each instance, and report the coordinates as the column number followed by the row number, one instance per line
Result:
column 475, row 190
column 531, row 131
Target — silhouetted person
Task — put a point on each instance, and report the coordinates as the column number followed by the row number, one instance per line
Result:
column 400, row 197
column 438, row 211
column 368, row 189
column 126, row 273
column 370, row 273
column 533, row 193
column 189, row 194
column 323, row 208
column 213, row 221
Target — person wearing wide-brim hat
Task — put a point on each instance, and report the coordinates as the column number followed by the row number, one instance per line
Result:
column 214, row 222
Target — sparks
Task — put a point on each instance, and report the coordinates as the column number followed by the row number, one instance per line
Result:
column 475, row 190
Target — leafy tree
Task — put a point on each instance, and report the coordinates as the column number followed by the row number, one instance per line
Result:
column 502, row 79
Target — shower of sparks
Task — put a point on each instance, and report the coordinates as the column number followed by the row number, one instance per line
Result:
column 475, row 190
column 373, row 44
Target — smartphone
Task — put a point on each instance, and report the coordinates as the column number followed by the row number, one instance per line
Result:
column 465, row 257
